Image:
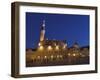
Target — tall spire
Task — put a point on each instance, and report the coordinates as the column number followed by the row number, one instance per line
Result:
column 42, row 33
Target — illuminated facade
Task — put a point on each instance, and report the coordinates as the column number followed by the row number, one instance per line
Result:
column 55, row 52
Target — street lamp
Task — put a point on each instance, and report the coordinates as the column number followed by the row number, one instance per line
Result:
column 49, row 48
column 40, row 48
column 39, row 44
column 57, row 47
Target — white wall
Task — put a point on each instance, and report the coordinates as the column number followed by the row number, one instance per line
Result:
column 5, row 40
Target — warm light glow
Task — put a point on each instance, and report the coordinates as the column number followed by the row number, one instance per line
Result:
column 39, row 44
column 51, row 56
column 74, row 54
column 49, row 48
column 65, row 45
column 55, row 44
column 60, row 56
column 69, row 54
column 57, row 47
column 57, row 56
column 45, row 57
column 38, row 57
column 41, row 48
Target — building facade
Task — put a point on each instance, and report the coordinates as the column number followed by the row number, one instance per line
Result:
column 55, row 52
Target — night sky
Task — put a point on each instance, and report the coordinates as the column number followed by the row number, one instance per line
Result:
column 72, row 28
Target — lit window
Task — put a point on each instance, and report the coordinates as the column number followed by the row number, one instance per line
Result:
column 51, row 56
column 49, row 48
column 38, row 57
column 45, row 57
column 69, row 54
column 57, row 56
column 60, row 56
column 55, row 44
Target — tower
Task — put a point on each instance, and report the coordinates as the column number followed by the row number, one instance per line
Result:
column 42, row 32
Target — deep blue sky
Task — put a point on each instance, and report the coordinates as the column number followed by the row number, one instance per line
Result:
column 72, row 28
